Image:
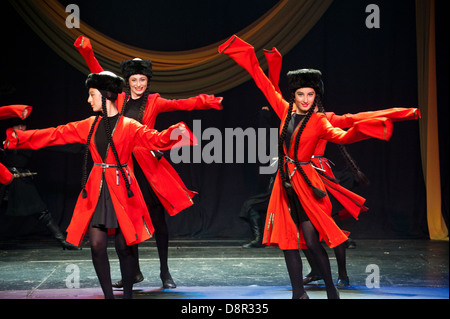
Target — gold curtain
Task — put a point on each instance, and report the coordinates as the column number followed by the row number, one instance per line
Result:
column 427, row 97
column 182, row 73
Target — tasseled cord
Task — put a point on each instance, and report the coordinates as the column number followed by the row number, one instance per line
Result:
column 318, row 192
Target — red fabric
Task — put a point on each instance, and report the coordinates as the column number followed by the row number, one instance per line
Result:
column 132, row 214
column 84, row 46
column 165, row 181
column 6, row 112
column 275, row 61
column 16, row 110
column 280, row 230
column 5, row 175
column 352, row 203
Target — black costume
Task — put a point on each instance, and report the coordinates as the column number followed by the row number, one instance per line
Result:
column 22, row 196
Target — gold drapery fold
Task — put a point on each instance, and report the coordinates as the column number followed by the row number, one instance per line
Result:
column 181, row 73
column 427, row 97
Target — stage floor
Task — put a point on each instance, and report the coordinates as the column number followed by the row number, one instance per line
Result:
column 221, row 269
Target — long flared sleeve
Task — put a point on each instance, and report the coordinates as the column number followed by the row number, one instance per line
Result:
column 244, row 55
column 379, row 127
column 199, row 102
column 15, row 110
column 84, row 46
column 163, row 140
column 396, row 114
column 74, row 132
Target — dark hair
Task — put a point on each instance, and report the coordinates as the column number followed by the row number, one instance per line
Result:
column 363, row 180
column 281, row 140
column 317, row 191
column 85, row 158
column 127, row 91
column 113, row 148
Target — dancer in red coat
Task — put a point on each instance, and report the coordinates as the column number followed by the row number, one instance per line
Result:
column 161, row 185
column 110, row 197
column 345, row 203
column 299, row 212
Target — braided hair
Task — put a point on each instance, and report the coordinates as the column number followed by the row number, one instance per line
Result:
column 317, row 191
column 109, row 85
column 127, row 91
column 85, row 158
column 363, row 180
column 281, row 162
column 113, row 147
column 281, row 140
column 129, row 68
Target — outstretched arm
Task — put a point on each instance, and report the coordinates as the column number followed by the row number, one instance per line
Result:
column 379, row 127
column 74, row 132
column 199, row 102
column 396, row 114
column 175, row 136
column 15, row 110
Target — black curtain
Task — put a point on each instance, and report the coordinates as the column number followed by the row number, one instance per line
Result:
column 364, row 69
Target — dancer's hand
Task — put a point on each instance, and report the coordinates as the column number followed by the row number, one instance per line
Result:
column 182, row 127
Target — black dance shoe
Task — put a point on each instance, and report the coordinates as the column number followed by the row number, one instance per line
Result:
column 310, row 278
column 168, row 283
column 139, row 277
column 343, row 281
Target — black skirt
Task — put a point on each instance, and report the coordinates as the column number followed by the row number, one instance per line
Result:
column 104, row 215
column 296, row 209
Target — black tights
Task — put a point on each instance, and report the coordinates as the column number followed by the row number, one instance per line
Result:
column 294, row 262
column 161, row 235
column 339, row 252
column 99, row 243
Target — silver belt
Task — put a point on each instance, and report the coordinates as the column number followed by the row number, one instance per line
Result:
column 104, row 165
column 321, row 158
column 288, row 159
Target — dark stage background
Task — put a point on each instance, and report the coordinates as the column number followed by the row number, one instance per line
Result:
column 364, row 69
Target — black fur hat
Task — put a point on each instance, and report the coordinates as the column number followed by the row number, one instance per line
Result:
column 305, row 78
column 136, row 66
column 105, row 81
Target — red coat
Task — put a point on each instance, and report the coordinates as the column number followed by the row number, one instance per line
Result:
column 132, row 214
column 6, row 112
column 352, row 203
column 162, row 177
column 280, row 229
